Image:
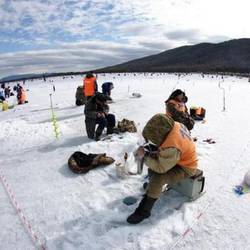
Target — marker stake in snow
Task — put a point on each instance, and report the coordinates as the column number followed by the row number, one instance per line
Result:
column 34, row 236
column 224, row 96
column 190, row 228
column 54, row 120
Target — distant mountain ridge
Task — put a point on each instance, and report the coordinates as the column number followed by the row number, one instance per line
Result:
column 23, row 77
column 230, row 56
column 18, row 77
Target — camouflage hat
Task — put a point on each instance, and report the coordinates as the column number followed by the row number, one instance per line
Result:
column 157, row 128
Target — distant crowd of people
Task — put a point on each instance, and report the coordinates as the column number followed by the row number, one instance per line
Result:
column 6, row 93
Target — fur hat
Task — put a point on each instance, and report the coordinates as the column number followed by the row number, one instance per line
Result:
column 157, row 128
column 80, row 163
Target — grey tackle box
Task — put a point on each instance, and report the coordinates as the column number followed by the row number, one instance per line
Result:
column 191, row 187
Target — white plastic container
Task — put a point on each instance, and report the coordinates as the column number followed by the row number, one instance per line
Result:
column 120, row 170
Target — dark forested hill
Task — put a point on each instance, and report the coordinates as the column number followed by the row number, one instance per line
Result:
column 229, row 56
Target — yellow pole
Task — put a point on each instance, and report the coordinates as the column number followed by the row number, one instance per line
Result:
column 54, row 120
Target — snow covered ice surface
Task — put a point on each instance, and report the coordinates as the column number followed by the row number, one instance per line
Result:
column 69, row 211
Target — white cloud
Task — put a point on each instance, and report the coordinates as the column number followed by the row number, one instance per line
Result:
column 88, row 32
column 72, row 57
column 81, row 18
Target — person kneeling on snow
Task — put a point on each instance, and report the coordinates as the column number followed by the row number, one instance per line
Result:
column 173, row 159
column 2, row 96
column 96, row 113
column 177, row 109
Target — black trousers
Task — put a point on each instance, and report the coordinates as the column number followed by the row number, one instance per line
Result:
column 102, row 122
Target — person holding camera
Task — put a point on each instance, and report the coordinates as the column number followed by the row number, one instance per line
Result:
column 170, row 156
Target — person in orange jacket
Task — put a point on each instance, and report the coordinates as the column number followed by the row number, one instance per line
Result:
column 90, row 86
column 170, row 156
column 21, row 96
column 176, row 108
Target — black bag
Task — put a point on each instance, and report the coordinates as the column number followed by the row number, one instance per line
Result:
column 126, row 125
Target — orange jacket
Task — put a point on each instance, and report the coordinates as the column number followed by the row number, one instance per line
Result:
column 179, row 137
column 198, row 111
column 89, row 86
column 23, row 96
column 179, row 106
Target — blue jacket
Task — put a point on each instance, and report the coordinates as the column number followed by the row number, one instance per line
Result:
column 106, row 88
column 2, row 95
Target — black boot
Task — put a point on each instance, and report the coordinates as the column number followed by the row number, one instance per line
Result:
column 98, row 134
column 143, row 211
column 112, row 130
column 109, row 130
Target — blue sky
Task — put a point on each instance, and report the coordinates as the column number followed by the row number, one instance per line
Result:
column 39, row 36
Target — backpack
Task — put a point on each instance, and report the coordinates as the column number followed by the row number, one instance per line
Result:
column 157, row 128
column 80, row 98
column 127, row 126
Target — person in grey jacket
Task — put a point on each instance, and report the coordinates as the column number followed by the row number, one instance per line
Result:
column 97, row 113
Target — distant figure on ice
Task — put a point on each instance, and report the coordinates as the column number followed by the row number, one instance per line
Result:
column 106, row 89
column 54, row 88
column 177, row 109
column 2, row 85
column 2, row 95
column 21, row 95
column 170, row 156
column 7, row 91
column 17, row 87
column 97, row 113
column 90, row 86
